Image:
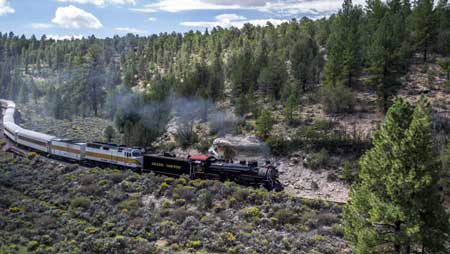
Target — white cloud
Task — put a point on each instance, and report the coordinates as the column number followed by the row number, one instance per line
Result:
column 231, row 20
column 41, row 25
column 73, row 17
column 280, row 7
column 130, row 30
column 5, row 8
column 100, row 2
column 144, row 10
column 152, row 19
column 64, row 37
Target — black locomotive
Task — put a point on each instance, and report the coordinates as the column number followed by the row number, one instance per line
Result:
column 208, row 167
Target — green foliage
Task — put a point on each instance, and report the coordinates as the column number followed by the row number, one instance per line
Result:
column 264, row 123
column 344, row 46
column 337, row 99
column 445, row 65
column 32, row 245
column 83, row 202
column 423, row 26
column 109, row 133
column 347, row 172
column 251, row 214
column 278, row 145
column 397, row 203
column 186, row 136
column 318, row 160
column 286, row 216
column 289, row 109
column 195, row 244
column 129, row 204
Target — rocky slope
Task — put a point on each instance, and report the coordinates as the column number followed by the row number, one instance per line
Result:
column 48, row 207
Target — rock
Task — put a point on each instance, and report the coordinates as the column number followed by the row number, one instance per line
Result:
column 241, row 145
column 294, row 160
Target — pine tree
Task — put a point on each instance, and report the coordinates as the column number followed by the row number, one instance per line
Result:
column 423, row 23
column 344, row 46
column 396, row 207
column 289, row 110
column 264, row 124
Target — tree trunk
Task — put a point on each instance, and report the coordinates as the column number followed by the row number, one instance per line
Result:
column 349, row 78
column 425, row 55
column 397, row 246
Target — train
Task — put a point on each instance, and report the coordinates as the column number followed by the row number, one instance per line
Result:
column 135, row 158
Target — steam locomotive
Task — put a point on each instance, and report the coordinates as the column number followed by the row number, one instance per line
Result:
column 208, row 167
column 196, row 166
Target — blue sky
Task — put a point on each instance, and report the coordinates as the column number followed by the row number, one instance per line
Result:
column 105, row 18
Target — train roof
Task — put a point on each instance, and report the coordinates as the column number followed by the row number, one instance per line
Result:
column 110, row 146
column 35, row 134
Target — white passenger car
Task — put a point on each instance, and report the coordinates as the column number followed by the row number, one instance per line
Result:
column 112, row 154
column 67, row 149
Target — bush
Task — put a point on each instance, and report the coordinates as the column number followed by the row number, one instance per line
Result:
column 186, row 136
column 337, row 99
column 447, row 86
column 31, row 155
column 130, row 203
column 251, row 213
column 83, row 202
column 32, row 245
column 286, row 216
column 347, row 172
column 196, row 244
column 318, row 160
column 278, row 145
column 323, row 124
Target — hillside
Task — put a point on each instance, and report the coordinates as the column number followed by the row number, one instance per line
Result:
column 49, row 207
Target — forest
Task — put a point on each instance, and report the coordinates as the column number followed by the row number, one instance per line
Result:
column 368, row 46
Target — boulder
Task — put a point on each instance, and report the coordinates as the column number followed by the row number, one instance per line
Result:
column 249, row 146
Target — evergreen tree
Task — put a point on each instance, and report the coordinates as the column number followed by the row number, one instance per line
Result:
column 344, row 46
column 264, row 124
column 423, row 26
column 396, row 207
column 289, row 110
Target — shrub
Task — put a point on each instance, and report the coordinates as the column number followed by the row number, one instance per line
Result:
column 31, row 155
column 347, row 172
column 318, row 238
column 337, row 99
column 285, row 216
column 251, row 213
column 203, row 145
column 337, row 230
column 447, row 85
column 180, row 214
column 241, row 194
column 15, row 209
column 278, row 145
column 323, row 123
column 32, row 245
column 180, row 201
column 131, row 203
column 318, row 160
column 195, row 244
column 186, row 136
column 83, row 202
column 205, row 199
column 229, row 237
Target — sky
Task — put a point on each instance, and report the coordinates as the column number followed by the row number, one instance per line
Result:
column 61, row 19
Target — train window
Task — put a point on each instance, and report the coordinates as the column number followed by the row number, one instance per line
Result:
column 136, row 154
